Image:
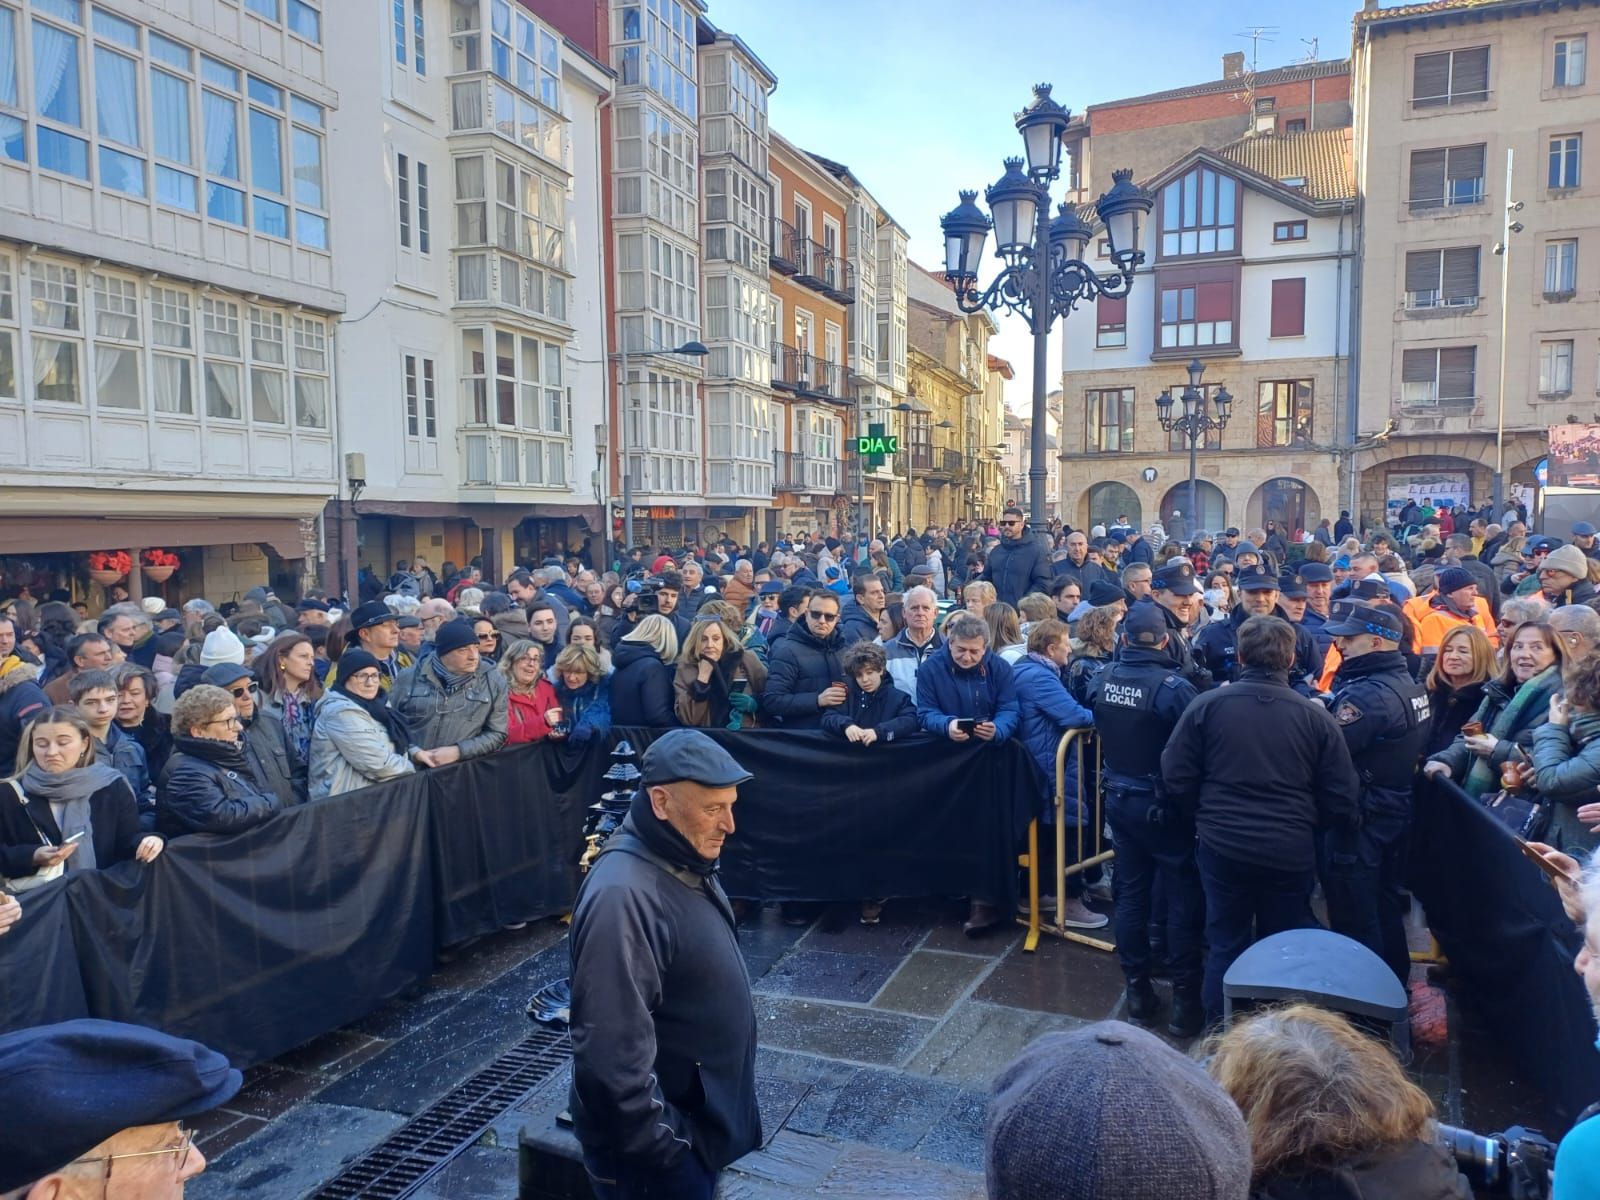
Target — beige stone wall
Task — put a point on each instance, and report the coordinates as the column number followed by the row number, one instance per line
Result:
column 1237, row 469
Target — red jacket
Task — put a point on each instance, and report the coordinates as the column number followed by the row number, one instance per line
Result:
column 525, row 714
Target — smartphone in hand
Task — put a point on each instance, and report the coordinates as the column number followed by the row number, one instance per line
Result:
column 966, row 724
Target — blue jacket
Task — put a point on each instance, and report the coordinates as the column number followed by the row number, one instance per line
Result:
column 888, row 710
column 587, row 710
column 986, row 692
column 856, row 624
column 1047, row 711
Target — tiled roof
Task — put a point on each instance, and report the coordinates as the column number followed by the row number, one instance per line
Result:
column 1290, row 74
column 996, row 363
column 1320, row 156
column 1408, row 12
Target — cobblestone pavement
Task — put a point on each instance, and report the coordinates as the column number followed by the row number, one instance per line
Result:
column 877, row 1046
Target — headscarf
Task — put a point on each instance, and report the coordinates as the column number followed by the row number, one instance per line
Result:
column 352, row 662
column 67, row 793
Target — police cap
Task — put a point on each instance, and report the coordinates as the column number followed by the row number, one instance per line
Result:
column 1257, row 579
column 689, row 754
column 1292, row 585
column 1366, row 618
column 1176, row 576
column 1371, row 588
column 1315, row 572
column 1145, row 625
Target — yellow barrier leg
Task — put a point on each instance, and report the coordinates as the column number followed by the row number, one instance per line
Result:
column 1031, row 942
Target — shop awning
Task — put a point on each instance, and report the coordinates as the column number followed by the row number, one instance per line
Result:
column 22, row 535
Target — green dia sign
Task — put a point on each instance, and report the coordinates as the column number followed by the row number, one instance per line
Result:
column 877, row 445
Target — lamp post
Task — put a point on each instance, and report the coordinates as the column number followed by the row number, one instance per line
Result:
column 1195, row 422
column 688, row 349
column 1045, row 276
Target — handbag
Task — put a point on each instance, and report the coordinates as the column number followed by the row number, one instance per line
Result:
column 1525, row 816
column 44, row 875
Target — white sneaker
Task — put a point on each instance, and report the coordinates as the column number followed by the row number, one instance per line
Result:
column 1077, row 915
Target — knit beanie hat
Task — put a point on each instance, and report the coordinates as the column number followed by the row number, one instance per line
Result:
column 1569, row 559
column 1453, row 579
column 1111, row 1112
column 453, row 635
column 221, row 646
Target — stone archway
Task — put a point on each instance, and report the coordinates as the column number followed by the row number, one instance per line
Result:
column 1104, row 502
column 1212, row 515
column 1289, row 503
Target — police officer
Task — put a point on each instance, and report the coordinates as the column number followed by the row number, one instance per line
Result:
column 1176, row 592
column 1137, row 701
column 1383, row 714
column 1216, row 647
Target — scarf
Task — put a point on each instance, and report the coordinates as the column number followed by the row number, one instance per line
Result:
column 1048, row 663
column 1531, row 698
column 451, row 681
column 352, row 662
column 67, row 793
column 297, row 716
column 1443, row 602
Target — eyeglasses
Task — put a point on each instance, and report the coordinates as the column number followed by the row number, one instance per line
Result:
column 365, row 677
column 243, row 691
column 821, row 616
column 181, row 1150
column 233, row 720
column 487, row 637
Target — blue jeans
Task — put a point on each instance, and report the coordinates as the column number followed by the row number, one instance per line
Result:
column 615, row 1178
column 1244, row 902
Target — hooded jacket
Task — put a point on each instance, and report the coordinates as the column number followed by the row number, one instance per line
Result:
column 472, row 717
column 801, row 666
column 986, row 692
column 21, row 698
column 349, row 750
column 641, row 687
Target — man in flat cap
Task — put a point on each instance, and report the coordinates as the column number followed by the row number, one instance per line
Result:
column 663, row 1030
column 94, row 1109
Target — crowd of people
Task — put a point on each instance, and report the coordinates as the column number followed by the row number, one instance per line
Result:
column 1263, row 706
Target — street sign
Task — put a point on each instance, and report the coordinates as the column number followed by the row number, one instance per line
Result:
column 877, row 445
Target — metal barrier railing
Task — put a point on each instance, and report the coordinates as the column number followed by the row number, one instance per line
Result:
column 1088, row 805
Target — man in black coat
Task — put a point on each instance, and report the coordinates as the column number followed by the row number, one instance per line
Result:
column 663, row 1030
column 804, row 675
column 1077, row 564
column 1383, row 714
column 1216, row 647
column 1262, row 770
column 1019, row 562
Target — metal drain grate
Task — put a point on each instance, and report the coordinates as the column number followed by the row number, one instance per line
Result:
column 424, row 1145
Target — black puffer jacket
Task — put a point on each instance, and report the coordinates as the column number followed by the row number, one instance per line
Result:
column 641, row 687
column 208, row 788
column 1018, row 567
column 801, row 665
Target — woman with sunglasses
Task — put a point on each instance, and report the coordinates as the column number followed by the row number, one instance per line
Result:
column 208, row 786
column 63, row 808
column 488, row 640
column 358, row 738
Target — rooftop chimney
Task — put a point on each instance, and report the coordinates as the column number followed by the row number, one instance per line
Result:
column 1233, row 64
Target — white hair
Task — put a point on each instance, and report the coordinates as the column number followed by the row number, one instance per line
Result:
column 922, row 593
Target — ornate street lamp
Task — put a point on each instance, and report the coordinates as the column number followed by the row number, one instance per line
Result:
column 1045, row 275
column 1195, row 422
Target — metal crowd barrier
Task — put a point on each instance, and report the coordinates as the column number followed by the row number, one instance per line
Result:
column 1084, row 744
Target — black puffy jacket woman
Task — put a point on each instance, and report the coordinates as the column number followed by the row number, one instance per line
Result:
column 208, row 786
column 642, row 666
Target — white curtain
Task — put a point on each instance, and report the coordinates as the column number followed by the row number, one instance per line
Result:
column 169, row 116
column 222, row 391
column 466, row 102
column 169, row 380
column 8, row 59
column 116, row 377
column 222, row 135
column 116, row 96
column 55, row 371
column 55, row 70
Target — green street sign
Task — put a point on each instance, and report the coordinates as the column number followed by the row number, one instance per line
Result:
column 877, row 445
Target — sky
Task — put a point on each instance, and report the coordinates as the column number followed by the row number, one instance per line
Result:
column 918, row 97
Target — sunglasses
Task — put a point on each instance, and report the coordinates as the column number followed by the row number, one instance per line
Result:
column 239, row 691
column 821, row 616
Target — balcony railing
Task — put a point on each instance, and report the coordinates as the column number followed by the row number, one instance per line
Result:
column 838, row 279
column 788, row 248
column 796, row 371
column 921, row 457
column 796, row 472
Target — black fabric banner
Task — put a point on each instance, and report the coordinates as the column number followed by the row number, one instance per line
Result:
column 1502, row 927
column 258, row 942
column 827, row 820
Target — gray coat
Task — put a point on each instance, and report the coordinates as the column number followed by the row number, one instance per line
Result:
column 272, row 760
column 350, row 750
column 472, row 718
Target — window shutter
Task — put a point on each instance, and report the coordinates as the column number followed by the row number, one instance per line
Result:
column 1422, row 271
column 1214, row 301
column 1470, row 77
column 1427, row 176
column 1430, row 78
column 1466, row 162
column 1288, row 307
column 1457, row 368
column 1110, row 311
column 1417, row 366
column 1461, row 273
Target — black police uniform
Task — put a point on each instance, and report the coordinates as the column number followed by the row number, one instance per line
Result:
column 1137, row 701
column 1216, row 648
column 1383, row 714
column 1178, row 576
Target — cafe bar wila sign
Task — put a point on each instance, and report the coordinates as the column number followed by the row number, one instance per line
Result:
column 877, row 445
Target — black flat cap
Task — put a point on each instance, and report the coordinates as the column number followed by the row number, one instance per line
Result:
column 688, row 754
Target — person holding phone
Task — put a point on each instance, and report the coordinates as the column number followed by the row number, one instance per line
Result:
column 64, row 809
column 714, row 669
